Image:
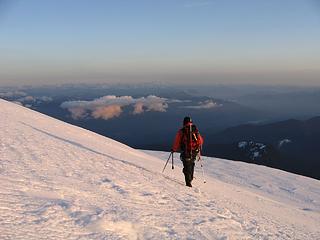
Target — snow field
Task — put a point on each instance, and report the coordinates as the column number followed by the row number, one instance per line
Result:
column 58, row 181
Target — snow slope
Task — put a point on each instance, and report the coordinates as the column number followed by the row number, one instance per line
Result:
column 58, row 181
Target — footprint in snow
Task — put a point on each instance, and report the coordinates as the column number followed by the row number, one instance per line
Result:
column 114, row 186
column 146, row 194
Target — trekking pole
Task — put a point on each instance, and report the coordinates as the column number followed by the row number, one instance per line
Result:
column 201, row 164
column 172, row 159
column 168, row 161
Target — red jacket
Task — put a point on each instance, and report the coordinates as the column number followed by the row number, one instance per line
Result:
column 178, row 141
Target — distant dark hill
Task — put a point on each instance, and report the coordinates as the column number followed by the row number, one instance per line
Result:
column 269, row 133
column 299, row 103
column 291, row 145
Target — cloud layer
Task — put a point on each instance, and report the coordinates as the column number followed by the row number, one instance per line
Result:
column 204, row 105
column 111, row 106
column 12, row 94
column 23, row 98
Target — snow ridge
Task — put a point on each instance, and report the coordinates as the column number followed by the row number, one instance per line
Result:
column 58, row 181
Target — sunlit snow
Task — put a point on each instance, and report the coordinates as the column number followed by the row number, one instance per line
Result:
column 58, row 181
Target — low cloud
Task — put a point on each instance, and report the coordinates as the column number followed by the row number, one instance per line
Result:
column 107, row 112
column 12, row 94
column 78, row 112
column 138, row 108
column 23, row 98
column 178, row 101
column 204, row 105
column 27, row 101
column 44, row 99
column 111, row 106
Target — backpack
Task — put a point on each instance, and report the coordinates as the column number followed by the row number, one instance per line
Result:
column 190, row 142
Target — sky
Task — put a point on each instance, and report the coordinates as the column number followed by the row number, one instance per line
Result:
column 181, row 41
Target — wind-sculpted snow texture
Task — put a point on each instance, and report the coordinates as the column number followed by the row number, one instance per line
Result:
column 58, row 181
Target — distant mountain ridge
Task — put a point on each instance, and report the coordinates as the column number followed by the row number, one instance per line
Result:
column 291, row 128
column 293, row 145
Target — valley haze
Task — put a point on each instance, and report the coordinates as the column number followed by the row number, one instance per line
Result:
column 147, row 116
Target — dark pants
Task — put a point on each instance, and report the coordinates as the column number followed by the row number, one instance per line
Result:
column 188, row 169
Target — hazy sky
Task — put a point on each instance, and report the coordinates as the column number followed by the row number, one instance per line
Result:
column 183, row 41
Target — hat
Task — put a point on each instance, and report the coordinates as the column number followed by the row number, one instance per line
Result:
column 187, row 120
